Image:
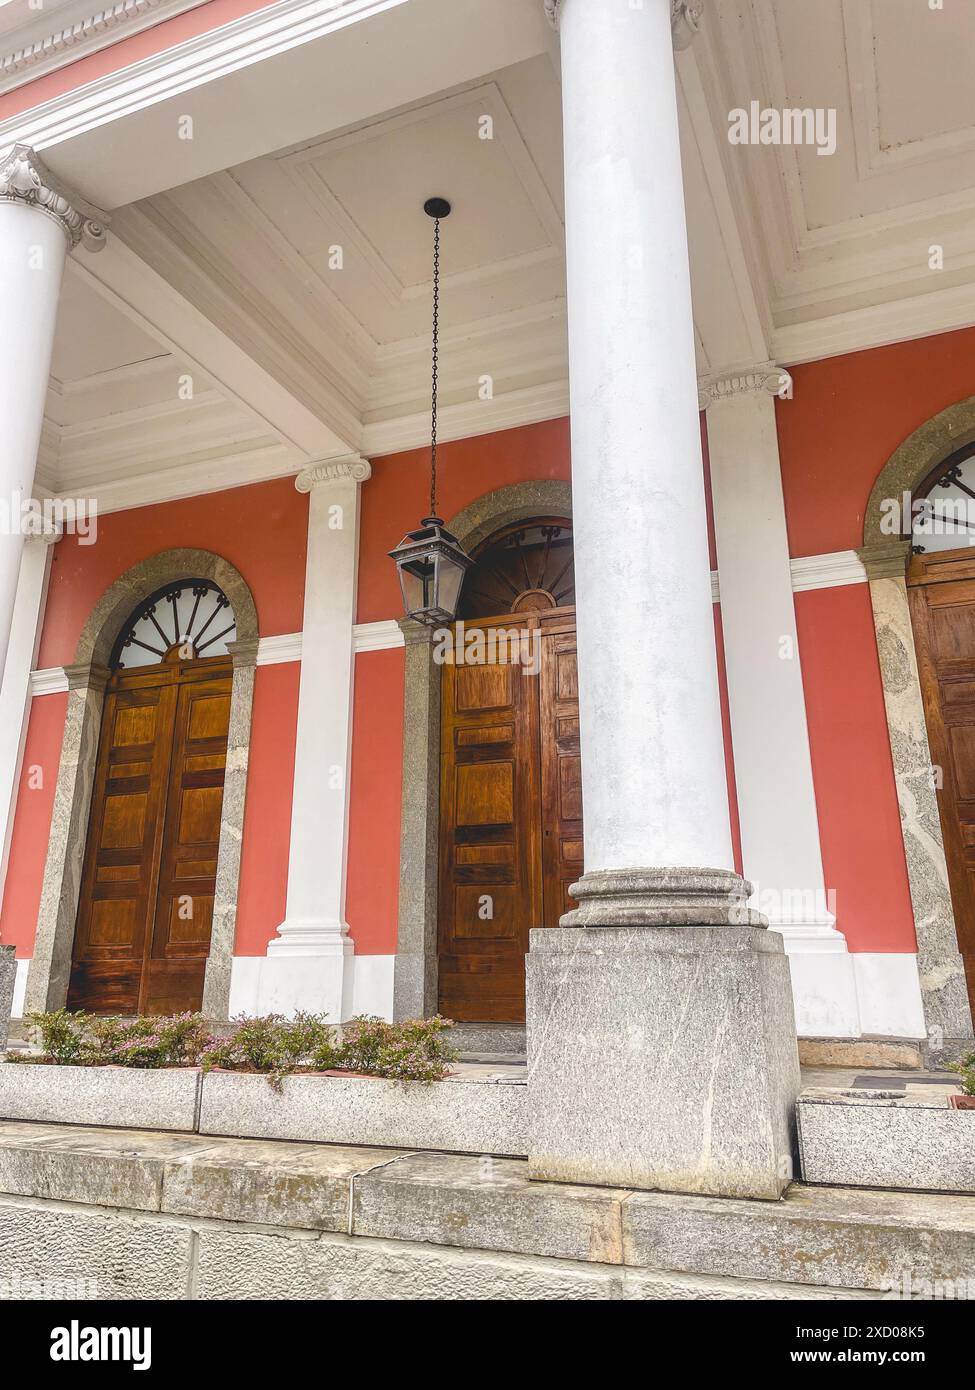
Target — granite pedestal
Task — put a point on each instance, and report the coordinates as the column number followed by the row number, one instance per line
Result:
column 662, row 1058
column 8, row 975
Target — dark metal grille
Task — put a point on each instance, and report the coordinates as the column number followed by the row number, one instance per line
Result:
column 192, row 616
column 523, row 568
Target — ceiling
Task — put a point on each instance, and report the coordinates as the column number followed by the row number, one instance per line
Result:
column 293, row 287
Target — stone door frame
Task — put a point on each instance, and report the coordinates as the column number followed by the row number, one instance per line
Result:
column 415, row 984
column 885, row 558
column 50, row 967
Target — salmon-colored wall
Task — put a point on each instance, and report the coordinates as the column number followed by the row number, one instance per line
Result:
column 32, row 822
column 397, row 496
column 859, row 820
column 372, row 888
column 847, row 416
column 263, row 886
column 262, row 530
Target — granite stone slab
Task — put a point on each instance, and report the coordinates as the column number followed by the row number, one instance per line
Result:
column 8, row 977
column 488, row 1204
column 838, row 1237
column 877, row 1141
column 458, row 1116
column 122, row 1097
column 269, row 1183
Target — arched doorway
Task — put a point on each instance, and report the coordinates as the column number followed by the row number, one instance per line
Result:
column 941, row 590
column 510, row 790
column 148, row 884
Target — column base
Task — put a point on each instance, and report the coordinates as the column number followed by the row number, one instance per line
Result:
column 664, row 1060
column 682, row 897
column 308, row 968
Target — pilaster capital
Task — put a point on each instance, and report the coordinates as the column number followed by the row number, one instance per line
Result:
column 769, row 378
column 334, row 471
column 85, row 675
column 41, row 532
column 685, row 18
column 889, row 560
column 25, row 178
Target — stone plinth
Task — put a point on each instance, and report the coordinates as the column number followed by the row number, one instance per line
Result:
column 662, row 1058
column 8, row 975
column 879, row 1141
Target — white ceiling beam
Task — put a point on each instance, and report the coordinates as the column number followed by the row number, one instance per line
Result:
column 147, row 300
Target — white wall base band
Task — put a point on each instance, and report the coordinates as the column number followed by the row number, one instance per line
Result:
column 889, row 992
column 282, row 984
column 20, row 989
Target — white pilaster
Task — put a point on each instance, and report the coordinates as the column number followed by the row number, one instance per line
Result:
column 776, row 797
column 307, row 962
column 15, row 689
column 39, row 222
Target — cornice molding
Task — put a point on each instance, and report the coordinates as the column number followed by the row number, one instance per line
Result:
column 776, row 381
column 84, row 36
column 685, row 18
column 334, row 471
column 25, row 178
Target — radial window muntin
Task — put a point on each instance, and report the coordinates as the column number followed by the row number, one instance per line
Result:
column 187, row 619
column 943, row 505
column 525, row 567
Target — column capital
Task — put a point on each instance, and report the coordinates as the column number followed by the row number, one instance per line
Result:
column 25, row 178
column 333, row 471
column 774, row 380
column 685, row 18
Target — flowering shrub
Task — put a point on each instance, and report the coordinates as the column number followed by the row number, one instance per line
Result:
column 416, row 1050
column 966, row 1070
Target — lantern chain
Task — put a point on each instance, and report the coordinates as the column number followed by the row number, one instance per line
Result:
column 436, row 367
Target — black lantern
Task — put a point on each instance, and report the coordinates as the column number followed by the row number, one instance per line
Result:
column 430, row 561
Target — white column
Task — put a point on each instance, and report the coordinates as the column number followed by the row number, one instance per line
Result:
column 39, row 222
column 662, row 1034
column 653, row 774
column 308, row 963
column 15, row 696
column 776, row 798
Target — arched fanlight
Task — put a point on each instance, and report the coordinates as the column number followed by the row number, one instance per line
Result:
column 430, row 562
column 188, row 619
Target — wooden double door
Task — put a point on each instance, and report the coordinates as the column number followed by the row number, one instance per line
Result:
column 510, row 806
column 942, row 595
column 146, row 908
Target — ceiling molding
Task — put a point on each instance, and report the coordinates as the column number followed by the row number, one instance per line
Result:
column 548, row 401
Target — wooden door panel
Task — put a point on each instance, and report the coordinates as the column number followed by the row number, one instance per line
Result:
column 146, row 905
column 122, row 850
column 561, row 772
column 943, row 616
column 187, row 878
column 489, row 882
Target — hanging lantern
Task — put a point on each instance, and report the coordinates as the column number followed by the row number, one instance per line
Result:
column 430, row 562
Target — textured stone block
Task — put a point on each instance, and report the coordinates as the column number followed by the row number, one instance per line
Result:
column 459, row 1116
column 109, row 1255
column 662, row 1057
column 488, row 1204
column 855, row 1141
column 837, row 1237
column 126, row 1098
column 8, row 978
column 272, row 1184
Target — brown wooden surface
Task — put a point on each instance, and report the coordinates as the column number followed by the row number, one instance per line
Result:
column 510, row 814
column 942, row 595
column 146, row 904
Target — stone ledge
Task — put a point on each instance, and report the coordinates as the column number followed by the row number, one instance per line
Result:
column 830, row 1240
column 460, row 1116
column 119, row 1097
column 885, row 1142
